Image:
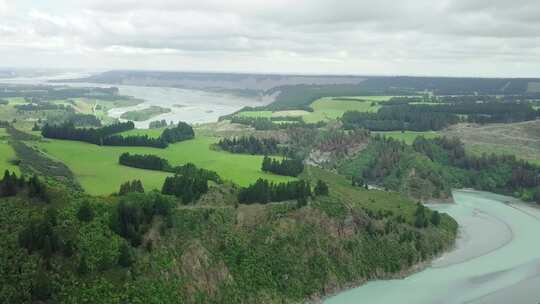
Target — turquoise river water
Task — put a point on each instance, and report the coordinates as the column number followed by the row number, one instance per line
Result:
column 496, row 259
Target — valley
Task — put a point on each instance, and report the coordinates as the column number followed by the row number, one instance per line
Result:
column 274, row 201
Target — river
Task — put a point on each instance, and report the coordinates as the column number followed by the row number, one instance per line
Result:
column 496, row 259
column 191, row 106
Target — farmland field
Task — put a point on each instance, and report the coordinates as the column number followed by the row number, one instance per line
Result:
column 97, row 169
column 329, row 108
column 408, row 136
column 326, row 108
column 262, row 114
column 153, row 133
column 6, row 154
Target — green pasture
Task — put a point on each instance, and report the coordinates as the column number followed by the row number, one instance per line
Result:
column 408, row 136
column 153, row 133
column 97, row 169
column 6, row 154
column 330, row 108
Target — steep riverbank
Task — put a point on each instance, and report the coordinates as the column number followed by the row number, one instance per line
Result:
column 496, row 254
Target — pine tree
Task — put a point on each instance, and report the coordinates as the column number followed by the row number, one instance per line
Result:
column 321, row 188
column 83, row 267
column 125, row 259
column 85, row 212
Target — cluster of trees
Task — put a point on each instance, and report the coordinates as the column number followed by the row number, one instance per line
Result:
column 402, row 117
column 432, row 167
column 423, row 217
column 265, row 124
column 148, row 161
column 130, row 187
column 39, row 236
column 153, row 162
column 498, row 173
column 321, row 188
column 134, row 141
column 3, row 102
column 263, row 192
column 11, row 185
column 188, row 188
column 133, row 215
column 287, row 167
column 189, row 182
column 158, row 124
column 42, row 106
column 182, row 131
column 104, row 135
column 96, row 136
column 190, row 169
column 251, row 145
column 80, row 120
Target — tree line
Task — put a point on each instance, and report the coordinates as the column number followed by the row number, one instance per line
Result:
column 148, row 161
column 130, row 187
column 265, row 124
column 158, row 124
column 395, row 118
column 263, row 192
column 105, row 135
column 251, row 145
column 286, row 166
column 96, row 136
column 11, row 185
column 153, row 162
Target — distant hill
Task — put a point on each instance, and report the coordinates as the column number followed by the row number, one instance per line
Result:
column 298, row 91
column 227, row 81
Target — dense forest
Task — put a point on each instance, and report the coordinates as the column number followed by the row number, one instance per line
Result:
column 11, row 185
column 424, row 117
column 432, row 167
column 140, row 248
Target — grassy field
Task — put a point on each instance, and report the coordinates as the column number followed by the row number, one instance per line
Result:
column 153, row 133
column 520, row 139
column 262, row 114
column 6, row 154
column 329, row 108
column 408, row 136
column 97, row 169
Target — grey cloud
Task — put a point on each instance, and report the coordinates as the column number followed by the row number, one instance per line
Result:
column 299, row 35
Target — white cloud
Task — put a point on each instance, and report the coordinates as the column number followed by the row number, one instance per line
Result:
column 348, row 36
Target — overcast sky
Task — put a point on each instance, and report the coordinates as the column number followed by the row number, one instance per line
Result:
column 383, row 37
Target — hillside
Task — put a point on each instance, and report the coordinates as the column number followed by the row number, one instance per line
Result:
column 271, row 253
